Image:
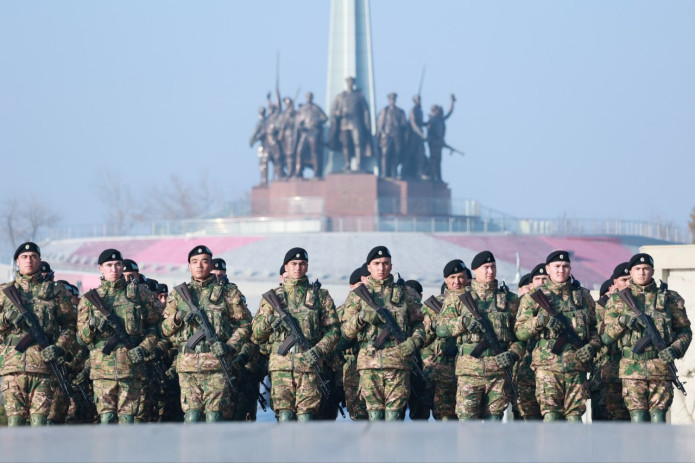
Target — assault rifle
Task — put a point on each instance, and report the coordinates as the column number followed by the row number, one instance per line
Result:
column 568, row 335
column 489, row 340
column 37, row 336
column 652, row 336
column 390, row 330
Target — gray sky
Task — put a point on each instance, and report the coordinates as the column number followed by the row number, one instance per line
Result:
column 578, row 108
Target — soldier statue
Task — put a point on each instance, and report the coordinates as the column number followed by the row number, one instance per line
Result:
column 311, row 120
column 415, row 159
column 350, row 125
column 259, row 136
column 436, row 130
column 287, row 121
column 272, row 142
column 391, row 126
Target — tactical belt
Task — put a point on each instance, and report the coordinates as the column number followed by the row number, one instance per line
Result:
column 649, row 355
column 201, row 348
column 387, row 344
column 445, row 359
column 551, row 342
column 468, row 349
column 100, row 344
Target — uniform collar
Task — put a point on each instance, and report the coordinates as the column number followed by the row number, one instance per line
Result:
column 482, row 288
column 118, row 284
column 205, row 283
column 25, row 281
column 375, row 284
column 291, row 282
column 558, row 288
column 639, row 289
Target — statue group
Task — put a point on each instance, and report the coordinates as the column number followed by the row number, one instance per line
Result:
column 293, row 139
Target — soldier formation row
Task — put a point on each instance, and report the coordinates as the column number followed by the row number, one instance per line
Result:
column 294, row 139
column 126, row 354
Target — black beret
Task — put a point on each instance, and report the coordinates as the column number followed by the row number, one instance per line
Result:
column 27, row 247
column 605, row 287
column 152, row 284
column 282, row 269
column 524, row 280
column 296, row 254
column 162, row 288
column 377, row 253
column 129, row 265
column 219, row 264
column 454, row 266
column 199, row 250
column 44, row 267
column 442, row 288
column 481, row 258
column 357, row 274
column 468, row 273
column 109, row 255
column 538, row 270
column 558, row 256
column 75, row 290
column 621, row 270
column 415, row 285
column 639, row 259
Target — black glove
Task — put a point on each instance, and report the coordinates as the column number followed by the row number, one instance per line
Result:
column 542, row 319
column 555, row 325
column 190, row 317
column 312, row 356
column 219, row 349
column 630, row 322
column 14, row 317
column 474, row 326
column 137, row 355
column 506, row 359
column 668, row 355
column 239, row 361
column 52, row 353
column 586, row 353
column 81, row 377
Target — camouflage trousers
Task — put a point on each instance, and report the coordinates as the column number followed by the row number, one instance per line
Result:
column 296, row 391
column 207, row 392
column 27, row 394
column 480, row 396
column 444, row 384
column 642, row 394
column 59, row 405
column 527, row 405
column 607, row 403
column 562, row 393
column 122, row 397
column 351, row 386
column 247, row 401
column 386, row 389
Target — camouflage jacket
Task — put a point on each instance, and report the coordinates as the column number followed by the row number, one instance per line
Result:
column 404, row 304
column 608, row 358
column 499, row 308
column 55, row 314
column 440, row 350
column 667, row 309
column 132, row 304
column 314, row 311
column 226, row 310
column 578, row 306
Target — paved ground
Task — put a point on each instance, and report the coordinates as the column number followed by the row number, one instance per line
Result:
column 382, row 442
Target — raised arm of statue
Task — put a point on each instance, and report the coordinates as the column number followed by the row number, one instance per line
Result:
column 451, row 107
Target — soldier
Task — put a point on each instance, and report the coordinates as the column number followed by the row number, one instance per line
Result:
column 421, row 390
column 287, row 136
column 26, row 377
column 162, row 293
column 272, row 144
column 439, row 354
column 560, row 379
column 384, row 369
column 524, row 284
column 116, row 370
column 436, row 129
column 293, row 378
column 204, row 384
column 219, row 268
column 350, row 124
column 259, row 136
column 415, row 162
column 482, row 384
column 311, row 120
column 647, row 379
column 45, row 270
column 390, row 133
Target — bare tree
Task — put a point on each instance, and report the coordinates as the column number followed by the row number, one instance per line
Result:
column 123, row 211
column 179, row 200
column 23, row 219
column 691, row 224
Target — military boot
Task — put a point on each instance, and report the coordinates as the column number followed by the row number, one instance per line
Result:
column 37, row 419
column 639, row 416
column 107, row 418
column 574, row 418
column 193, row 416
column 492, row 418
column 533, row 418
column 658, row 416
column 552, row 416
column 212, row 417
column 305, row 417
column 126, row 419
column 285, row 416
column 376, row 415
column 393, row 415
column 16, row 420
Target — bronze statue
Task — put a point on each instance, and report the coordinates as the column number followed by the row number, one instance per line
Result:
column 436, row 130
column 272, row 133
column 287, row 137
column 390, row 136
column 310, row 120
column 259, row 135
column 415, row 162
column 350, row 125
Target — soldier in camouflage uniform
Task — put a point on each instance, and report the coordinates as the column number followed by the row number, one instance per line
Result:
column 560, row 379
column 439, row 354
column 385, row 372
column 204, row 386
column 420, row 402
column 26, row 378
column 117, row 377
column 647, row 380
column 482, row 384
column 294, row 383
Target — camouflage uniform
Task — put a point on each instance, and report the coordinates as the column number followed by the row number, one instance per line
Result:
column 560, row 379
column 117, row 382
column 349, row 349
column 439, row 363
column 26, row 382
column 482, row 384
column 647, row 381
column 294, row 384
column 527, row 407
column 204, row 387
column 384, row 373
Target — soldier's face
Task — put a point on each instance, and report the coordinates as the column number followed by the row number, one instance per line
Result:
column 28, row 263
column 538, row 280
column 380, row 268
column 111, row 271
column 642, row 274
column 621, row 283
column 162, row 298
column 455, row 281
column 486, row 273
column 296, row 269
column 219, row 273
column 130, row 275
column 200, row 266
column 559, row 272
